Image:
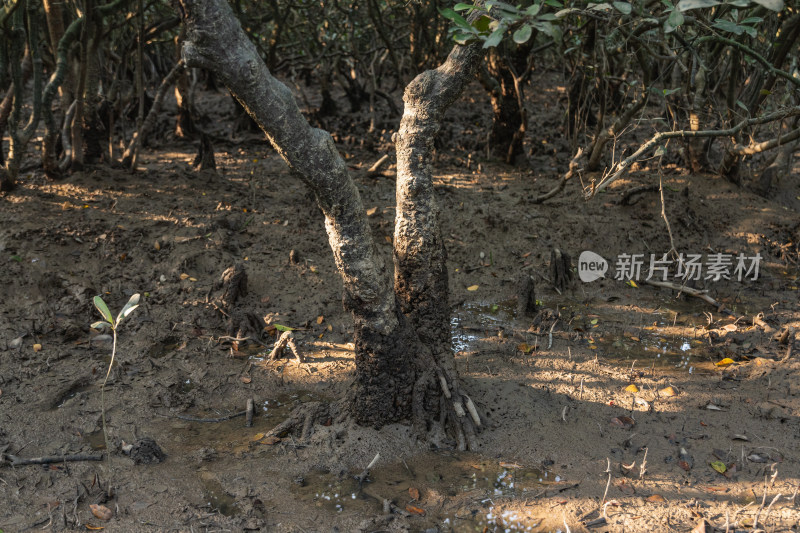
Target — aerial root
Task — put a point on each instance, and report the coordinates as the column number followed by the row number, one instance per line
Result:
column 458, row 414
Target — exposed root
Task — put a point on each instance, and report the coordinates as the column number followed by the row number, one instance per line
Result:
column 286, row 340
column 458, row 414
column 303, row 419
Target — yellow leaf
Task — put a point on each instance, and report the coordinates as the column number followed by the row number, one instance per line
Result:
column 320, row 318
column 473, row 288
column 330, row 327
column 668, row 391
column 37, row 347
column 184, row 276
column 594, row 321
column 719, row 466
column 371, row 211
column 312, row 268
column 635, row 339
column 632, row 388
column 725, row 362
column 633, row 284
column 192, row 279
column 524, row 348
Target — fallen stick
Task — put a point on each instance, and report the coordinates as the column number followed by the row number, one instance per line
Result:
column 211, row 420
column 691, row 292
column 50, row 459
column 363, row 475
column 249, row 412
column 378, row 164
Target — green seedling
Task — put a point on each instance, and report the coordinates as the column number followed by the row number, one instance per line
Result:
column 109, row 322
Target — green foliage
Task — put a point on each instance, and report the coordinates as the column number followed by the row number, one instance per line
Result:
column 493, row 20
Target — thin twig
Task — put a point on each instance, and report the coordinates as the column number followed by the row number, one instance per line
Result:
column 20, row 461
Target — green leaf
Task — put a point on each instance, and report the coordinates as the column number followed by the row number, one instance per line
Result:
column 686, row 5
column 482, row 24
column 279, row 327
column 719, row 466
column 132, row 304
column 675, row 19
column 103, row 308
column 463, row 38
column 16, row 258
column 523, row 34
column 102, row 324
column 668, row 92
column 554, row 3
column 772, row 5
column 533, row 10
column 462, row 6
column 727, row 25
column 456, row 18
column 550, row 30
column 623, row 7
column 495, row 38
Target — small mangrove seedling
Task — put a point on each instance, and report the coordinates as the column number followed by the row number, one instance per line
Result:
column 109, row 322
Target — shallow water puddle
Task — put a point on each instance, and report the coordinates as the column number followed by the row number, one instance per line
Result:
column 215, row 497
column 474, row 320
column 681, row 353
column 232, row 435
column 420, row 485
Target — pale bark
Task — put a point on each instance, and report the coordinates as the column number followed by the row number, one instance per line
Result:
column 421, row 282
column 216, row 42
column 404, row 365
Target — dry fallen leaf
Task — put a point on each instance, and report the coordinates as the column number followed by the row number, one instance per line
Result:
column 414, row 493
column 524, row 348
column 668, row 391
column 184, row 276
column 371, row 211
column 415, row 510
column 624, row 422
column 656, row 498
column 101, row 511
column 37, row 347
column 320, row 319
column 245, row 379
column 626, row 487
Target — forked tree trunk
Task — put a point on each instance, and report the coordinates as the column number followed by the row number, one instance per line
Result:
column 404, row 367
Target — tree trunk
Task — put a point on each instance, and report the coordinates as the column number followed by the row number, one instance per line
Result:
column 504, row 140
column 385, row 375
column 404, row 366
column 421, row 283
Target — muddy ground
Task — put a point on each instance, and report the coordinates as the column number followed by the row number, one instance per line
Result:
column 569, row 444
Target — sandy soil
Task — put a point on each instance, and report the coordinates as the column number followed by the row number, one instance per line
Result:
column 569, row 444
